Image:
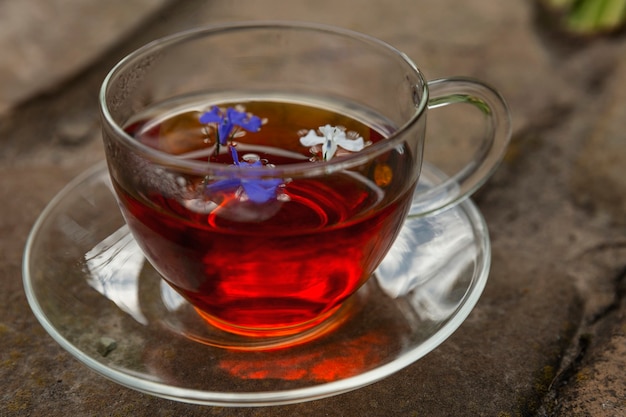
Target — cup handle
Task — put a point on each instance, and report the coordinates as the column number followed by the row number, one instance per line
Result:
column 467, row 180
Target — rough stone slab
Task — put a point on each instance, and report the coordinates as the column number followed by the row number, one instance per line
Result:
column 598, row 386
column 553, row 266
column 599, row 183
column 593, row 382
column 44, row 42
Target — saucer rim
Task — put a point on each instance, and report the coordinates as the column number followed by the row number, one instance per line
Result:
column 474, row 291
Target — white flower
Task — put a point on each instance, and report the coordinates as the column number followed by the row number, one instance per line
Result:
column 331, row 138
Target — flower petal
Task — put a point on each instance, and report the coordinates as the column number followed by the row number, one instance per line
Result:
column 251, row 124
column 353, row 145
column 234, row 155
column 328, row 130
column 247, row 121
column 311, row 139
column 223, row 131
column 212, row 116
column 328, row 149
column 260, row 191
column 222, row 185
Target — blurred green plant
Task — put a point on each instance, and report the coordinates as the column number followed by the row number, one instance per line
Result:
column 588, row 17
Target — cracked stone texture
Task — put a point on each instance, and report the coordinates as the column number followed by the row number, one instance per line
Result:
column 547, row 337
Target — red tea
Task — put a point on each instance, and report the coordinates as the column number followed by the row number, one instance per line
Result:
column 277, row 266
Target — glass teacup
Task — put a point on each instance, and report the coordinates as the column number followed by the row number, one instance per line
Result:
column 265, row 169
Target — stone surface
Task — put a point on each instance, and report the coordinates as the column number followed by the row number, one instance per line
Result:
column 600, row 180
column 546, row 338
column 44, row 43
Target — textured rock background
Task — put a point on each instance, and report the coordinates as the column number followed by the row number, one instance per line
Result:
column 43, row 43
column 547, row 337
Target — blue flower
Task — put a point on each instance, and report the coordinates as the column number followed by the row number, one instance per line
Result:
column 228, row 120
column 257, row 190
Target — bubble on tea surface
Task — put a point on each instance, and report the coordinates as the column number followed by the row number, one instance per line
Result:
column 199, row 205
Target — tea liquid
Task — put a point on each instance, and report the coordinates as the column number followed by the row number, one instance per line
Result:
column 275, row 267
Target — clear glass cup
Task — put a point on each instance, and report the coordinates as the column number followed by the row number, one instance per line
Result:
column 271, row 247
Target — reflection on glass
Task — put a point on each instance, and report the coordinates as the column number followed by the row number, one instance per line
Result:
column 440, row 246
column 171, row 299
column 324, row 365
column 114, row 265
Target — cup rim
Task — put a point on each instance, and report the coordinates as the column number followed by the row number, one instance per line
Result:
column 304, row 168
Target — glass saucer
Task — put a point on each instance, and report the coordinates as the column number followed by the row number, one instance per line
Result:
column 92, row 290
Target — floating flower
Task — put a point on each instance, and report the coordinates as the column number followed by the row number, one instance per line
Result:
column 331, row 138
column 228, row 120
column 257, row 190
